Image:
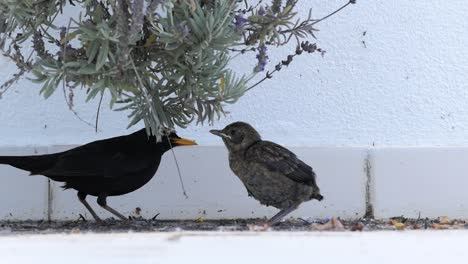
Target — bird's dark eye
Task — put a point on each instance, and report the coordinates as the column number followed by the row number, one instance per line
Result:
column 233, row 132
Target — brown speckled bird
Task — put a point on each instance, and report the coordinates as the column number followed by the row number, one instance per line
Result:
column 272, row 174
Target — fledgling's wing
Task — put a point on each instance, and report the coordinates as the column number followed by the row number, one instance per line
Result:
column 279, row 159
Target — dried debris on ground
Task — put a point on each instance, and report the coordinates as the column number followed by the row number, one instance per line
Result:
column 155, row 225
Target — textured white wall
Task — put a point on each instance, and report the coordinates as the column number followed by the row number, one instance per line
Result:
column 407, row 85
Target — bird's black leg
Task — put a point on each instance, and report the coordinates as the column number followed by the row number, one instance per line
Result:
column 277, row 217
column 82, row 198
column 102, row 201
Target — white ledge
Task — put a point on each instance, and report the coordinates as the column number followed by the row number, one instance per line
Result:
column 425, row 181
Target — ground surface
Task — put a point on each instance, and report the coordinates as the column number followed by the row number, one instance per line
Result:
column 293, row 225
column 446, row 246
column 396, row 240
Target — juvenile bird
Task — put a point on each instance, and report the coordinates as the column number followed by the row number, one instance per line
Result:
column 271, row 174
column 102, row 168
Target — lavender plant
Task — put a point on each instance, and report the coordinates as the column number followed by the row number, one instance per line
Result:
column 166, row 61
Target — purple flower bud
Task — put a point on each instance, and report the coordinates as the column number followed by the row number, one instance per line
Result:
column 262, row 58
column 261, row 11
column 183, row 29
column 240, row 21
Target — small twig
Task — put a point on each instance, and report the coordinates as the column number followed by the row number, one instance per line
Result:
column 47, row 28
column 97, row 113
column 146, row 93
column 242, row 50
column 154, row 217
column 304, row 23
column 268, row 75
column 178, row 169
column 334, row 12
column 82, row 218
column 64, row 80
column 305, row 221
column 73, row 111
column 249, row 8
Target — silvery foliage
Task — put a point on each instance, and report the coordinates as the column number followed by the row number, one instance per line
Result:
column 165, row 61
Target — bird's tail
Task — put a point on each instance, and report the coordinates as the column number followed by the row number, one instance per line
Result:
column 316, row 194
column 32, row 164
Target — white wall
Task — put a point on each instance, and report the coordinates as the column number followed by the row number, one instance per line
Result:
column 406, row 86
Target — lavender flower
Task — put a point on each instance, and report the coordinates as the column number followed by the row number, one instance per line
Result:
column 261, row 11
column 239, row 23
column 276, row 6
column 262, row 58
column 183, row 30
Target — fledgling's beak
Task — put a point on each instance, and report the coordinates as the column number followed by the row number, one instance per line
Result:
column 183, row 142
column 218, row 133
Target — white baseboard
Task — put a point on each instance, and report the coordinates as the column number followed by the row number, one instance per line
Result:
column 425, row 181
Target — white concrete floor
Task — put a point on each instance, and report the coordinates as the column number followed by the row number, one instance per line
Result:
column 246, row 247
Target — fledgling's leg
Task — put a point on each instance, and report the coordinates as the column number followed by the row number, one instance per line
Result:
column 281, row 214
column 82, row 198
column 102, row 201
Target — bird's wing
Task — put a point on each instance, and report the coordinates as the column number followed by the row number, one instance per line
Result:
column 96, row 163
column 279, row 159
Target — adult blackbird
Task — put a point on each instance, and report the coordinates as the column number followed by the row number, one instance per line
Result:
column 102, row 168
column 272, row 174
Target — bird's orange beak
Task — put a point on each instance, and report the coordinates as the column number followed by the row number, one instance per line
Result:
column 183, row 142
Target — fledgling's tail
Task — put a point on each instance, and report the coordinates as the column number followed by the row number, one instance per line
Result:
column 33, row 164
column 317, row 196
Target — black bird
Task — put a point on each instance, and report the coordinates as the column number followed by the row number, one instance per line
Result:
column 272, row 174
column 103, row 168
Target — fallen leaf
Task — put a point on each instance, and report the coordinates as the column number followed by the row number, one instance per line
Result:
column 458, row 226
column 200, row 220
column 138, row 211
column 333, row 225
column 439, row 226
column 400, row 226
column 444, row 220
column 357, row 226
column 397, row 224
column 257, row 228
column 400, row 219
column 136, row 214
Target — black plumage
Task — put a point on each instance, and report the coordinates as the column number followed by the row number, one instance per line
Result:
column 102, row 168
column 271, row 173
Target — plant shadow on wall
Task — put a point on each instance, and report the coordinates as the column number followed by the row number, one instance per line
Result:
column 165, row 61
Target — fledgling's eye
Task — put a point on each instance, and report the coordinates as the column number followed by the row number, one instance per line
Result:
column 233, row 132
